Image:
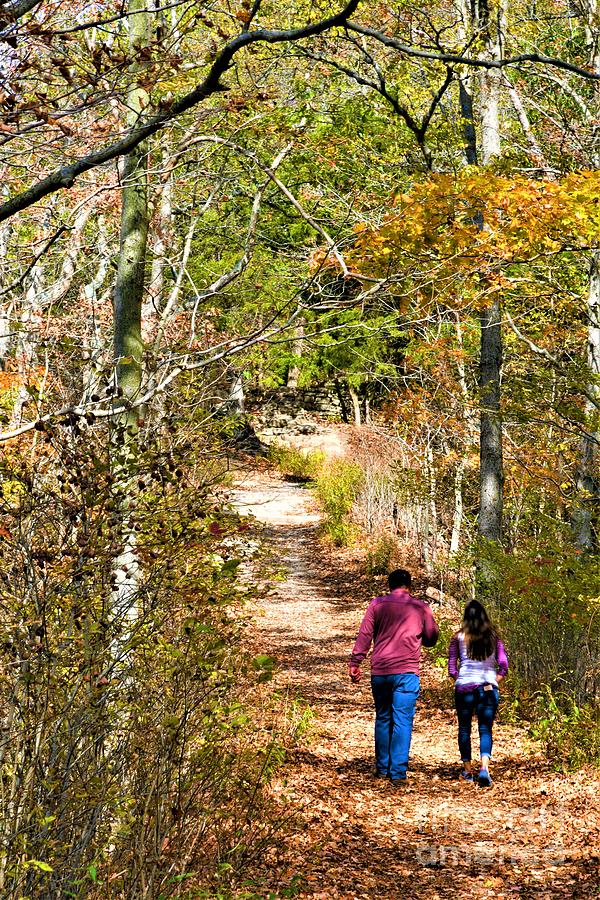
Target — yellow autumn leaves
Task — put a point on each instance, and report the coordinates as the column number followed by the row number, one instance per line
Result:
column 478, row 218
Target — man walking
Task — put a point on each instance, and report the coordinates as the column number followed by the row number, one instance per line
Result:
column 397, row 624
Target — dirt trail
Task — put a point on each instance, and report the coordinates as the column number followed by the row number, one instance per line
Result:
column 535, row 833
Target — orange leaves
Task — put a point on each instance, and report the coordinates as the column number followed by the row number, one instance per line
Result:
column 478, row 221
column 9, row 381
column 12, row 380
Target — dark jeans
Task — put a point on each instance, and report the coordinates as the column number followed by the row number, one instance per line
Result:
column 395, row 699
column 483, row 704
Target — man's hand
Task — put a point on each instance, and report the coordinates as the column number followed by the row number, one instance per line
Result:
column 355, row 674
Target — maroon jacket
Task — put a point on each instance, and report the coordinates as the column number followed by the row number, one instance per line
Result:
column 397, row 624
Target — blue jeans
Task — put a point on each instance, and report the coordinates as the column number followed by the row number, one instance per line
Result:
column 395, row 699
column 483, row 704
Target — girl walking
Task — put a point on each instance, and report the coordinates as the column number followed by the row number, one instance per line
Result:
column 477, row 661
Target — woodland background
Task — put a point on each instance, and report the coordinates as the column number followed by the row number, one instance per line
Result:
column 397, row 203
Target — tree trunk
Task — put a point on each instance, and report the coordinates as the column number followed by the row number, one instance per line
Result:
column 471, row 430
column 342, row 401
column 355, row 405
column 491, row 462
column 491, row 459
column 94, row 349
column 28, row 340
column 490, row 81
column 458, row 508
column 476, row 18
column 6, row 308
column 129, row 287
column 162, row 240
column 294, row 369
column 586, row 510
column 128, row 346
column 588, row 475
column 432, row 519
column 236, row 397
column 535, row 150
column 465, row 89
column 466, row 109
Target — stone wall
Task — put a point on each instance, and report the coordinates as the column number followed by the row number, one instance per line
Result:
column 285, row 409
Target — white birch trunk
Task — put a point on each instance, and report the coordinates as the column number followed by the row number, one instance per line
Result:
column 458, row 508
column 162, row 238
column 534, row 148
column 585, row 512
column 6, row 305
column 588, row 474
column 491, row 454
column 26, row 347
column 94, row 349
column 294, row 371
column 432, row 508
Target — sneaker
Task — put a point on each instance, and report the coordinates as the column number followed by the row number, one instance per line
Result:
column 484, row 779
column 466, row 776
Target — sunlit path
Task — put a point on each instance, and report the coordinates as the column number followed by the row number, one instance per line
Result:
column 535, row 833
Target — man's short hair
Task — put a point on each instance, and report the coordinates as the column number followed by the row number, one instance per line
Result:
column 399, row 578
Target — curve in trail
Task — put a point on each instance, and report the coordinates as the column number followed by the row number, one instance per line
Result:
column 535, row 833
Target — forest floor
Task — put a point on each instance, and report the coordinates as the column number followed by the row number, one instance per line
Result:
column 536, row 832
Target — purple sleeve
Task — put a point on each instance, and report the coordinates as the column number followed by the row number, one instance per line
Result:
column 453, row 653
column 430, row 631
column 363, row 638
column 502, row 658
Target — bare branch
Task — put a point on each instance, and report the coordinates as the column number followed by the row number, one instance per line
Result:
column 241, row 264
column 460, row 59
column 66, row 176
column 541, row 351
column 106, row 408
column 49, row 243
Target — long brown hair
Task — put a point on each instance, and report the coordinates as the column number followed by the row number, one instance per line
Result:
column 481, row 635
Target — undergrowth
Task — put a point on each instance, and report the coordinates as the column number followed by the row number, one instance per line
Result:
column 139, row 740
column 570, row 734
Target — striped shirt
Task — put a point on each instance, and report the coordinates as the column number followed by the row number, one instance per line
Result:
column 471, row 673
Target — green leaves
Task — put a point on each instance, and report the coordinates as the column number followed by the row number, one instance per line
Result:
column 230, row 567
column 38, row 864
column 265, row 666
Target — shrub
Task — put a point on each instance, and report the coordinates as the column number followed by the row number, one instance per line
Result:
column 130, row 745
column 336, row 488
column 375, row 505
column 380, row 555
column 569, row 733
column 546, row 602
column 303, row 466
column 545, row 599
